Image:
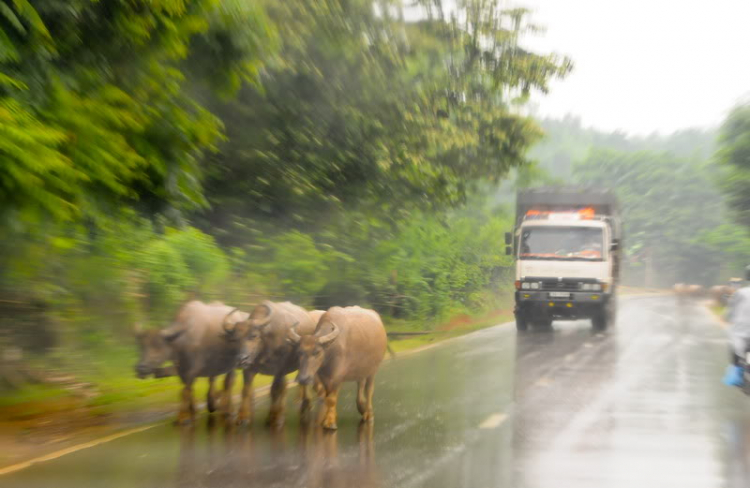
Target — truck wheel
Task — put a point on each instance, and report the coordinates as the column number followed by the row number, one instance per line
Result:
column 543, row 323
column 600, row 320
column 611, row 311
column 521, row 323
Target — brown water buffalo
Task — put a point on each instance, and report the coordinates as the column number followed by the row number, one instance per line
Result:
column 315, row 315
column 348, row 345
column 268, row 351
column 197, row 345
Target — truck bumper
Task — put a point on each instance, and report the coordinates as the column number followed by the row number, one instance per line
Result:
column 574, row 305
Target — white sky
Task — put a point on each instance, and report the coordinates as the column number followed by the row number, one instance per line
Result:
column 646, row 65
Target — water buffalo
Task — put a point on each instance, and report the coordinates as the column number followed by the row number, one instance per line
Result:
column 197, row 345
column 267, row 351
column 315, row 315
column 348, row 345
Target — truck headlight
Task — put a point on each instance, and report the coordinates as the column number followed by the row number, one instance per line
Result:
column 525, row 286
column 591, row 287
column 535, row 286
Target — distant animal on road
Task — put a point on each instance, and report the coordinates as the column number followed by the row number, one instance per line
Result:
column 198, row 347
column 348, row 345
column 721, row 293
column 267, row 350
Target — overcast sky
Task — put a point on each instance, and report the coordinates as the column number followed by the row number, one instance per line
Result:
column 646, row 65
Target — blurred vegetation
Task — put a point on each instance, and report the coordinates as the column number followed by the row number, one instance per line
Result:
column 325, row 152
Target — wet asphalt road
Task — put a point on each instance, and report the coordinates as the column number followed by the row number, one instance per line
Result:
column 638, row 406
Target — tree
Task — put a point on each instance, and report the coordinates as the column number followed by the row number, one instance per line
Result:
column 93, row 102
column 668, row 205
column 733, row 156
column 366, row 112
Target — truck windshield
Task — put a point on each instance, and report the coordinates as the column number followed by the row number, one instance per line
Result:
column 563, row 243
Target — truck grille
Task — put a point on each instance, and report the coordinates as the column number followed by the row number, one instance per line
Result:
column 559, row 286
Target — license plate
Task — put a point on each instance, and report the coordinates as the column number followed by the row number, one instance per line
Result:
column 559, row 294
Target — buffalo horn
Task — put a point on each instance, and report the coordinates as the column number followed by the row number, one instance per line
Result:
column 331, row 336
column 267, row 320
column 225, row 324
column 294, row 338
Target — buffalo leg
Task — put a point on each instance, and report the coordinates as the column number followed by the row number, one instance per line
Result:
column 226, row 398
column 368, row 414
column 278, row 394
column 318, row 387
column 305, row 398
column 361, row 398
column 187, row 406
column 211, row 397
column 246, row 404
column 332, row 398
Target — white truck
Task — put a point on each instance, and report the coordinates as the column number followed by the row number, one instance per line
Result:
column 566, row 243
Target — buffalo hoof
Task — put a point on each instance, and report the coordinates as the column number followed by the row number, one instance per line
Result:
column 184, row 421
column 243, row 420
column 368, row 416
column 329, row 424
column 275, row 422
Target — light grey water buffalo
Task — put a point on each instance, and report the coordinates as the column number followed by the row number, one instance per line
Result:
column 348, row 345
column 197, row 344
column 268, row 351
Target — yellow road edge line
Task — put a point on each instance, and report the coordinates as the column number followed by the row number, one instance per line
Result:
column 70, row 450
column 263, row 391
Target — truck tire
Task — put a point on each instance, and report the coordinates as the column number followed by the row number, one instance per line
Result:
column 522, row 324
column 543, row 323
column 601, row 319
column 611, row 311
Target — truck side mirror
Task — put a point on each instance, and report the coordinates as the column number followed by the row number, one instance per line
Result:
column 508, row 251
column 614, row 246
column 508, row 238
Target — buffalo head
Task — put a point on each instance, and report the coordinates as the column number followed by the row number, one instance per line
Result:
column 155, row 348
column 235, row 330
column 312, row 351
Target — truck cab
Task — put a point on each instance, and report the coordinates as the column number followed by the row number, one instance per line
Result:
column 567, row 258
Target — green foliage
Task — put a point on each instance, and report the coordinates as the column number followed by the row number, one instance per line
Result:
column 94, row 107
column 167, row 277
column 297, row 264
column 733, row 155
column 344, row 171
column 363, row 112
column 667, row 207
column 207, row 263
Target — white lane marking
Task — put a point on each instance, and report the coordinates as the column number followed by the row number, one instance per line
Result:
column 493, row 421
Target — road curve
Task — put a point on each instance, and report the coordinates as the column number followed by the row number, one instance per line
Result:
column 638, row 406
